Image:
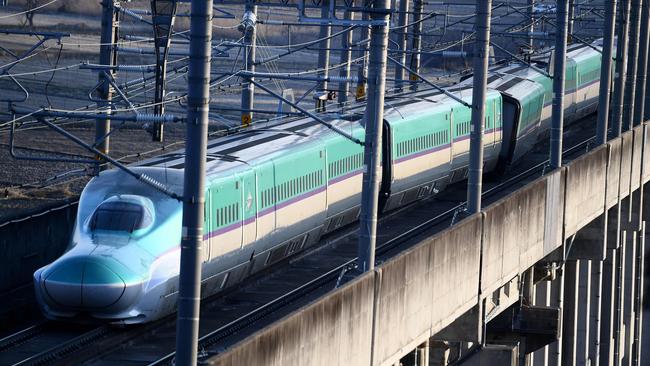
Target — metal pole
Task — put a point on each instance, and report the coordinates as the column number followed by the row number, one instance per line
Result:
column 597, row 292
column 362, row 72
column 531, row 19
column 481, row 53
column 559, row 73
column 638, row 306
column 620, row 69
column 606, row 71
column 620, row 301
column 642, row 67
column 572, row 8
column 250, row 38
column 418, row 8
column 324, row 52
column 198, row 107
column 374, row 118
column 107, row 56
column 346, row 57
column 633, row 54
column 402, row 33
column 608, row 300
column 163, row 16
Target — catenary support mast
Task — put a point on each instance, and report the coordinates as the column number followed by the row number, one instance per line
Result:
column 198, row 98
column 481, row 54
column 606, row 71
column 374, row 118
column 559, row 74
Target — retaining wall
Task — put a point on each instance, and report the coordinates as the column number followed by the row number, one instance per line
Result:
column 33, row 242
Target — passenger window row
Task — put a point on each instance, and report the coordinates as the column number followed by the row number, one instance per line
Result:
column 345, row 165
column 291, row 188
column 462, row 128
column 422, row 143
column 588, row 76
column 227, row 215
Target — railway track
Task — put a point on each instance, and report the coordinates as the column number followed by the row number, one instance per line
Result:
column 46, row 342
column 256, row 303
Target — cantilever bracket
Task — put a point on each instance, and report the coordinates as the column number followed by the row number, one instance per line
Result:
column 310, row 114
column 522, row 60
column 444, row 91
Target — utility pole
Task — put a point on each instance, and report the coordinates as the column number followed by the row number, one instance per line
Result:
column 374, row 118
column 249, row 28
column 621, row 68
column 418, row 8
column 401, row 40
column 481, row 55
column 531, row 28
column 642, row 67
column 346, row 57
column 572, row 9
column 362, row 72
column 163, row 13
column 107, row 57
column 633, row 55
column 606, row 72
column 198, row 107
column 559, row 73
column 324, row 56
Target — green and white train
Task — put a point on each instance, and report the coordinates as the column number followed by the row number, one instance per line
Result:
column 275, row 189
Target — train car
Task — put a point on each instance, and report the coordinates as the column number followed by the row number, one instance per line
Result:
column 271, row 191
column 266, row 198
column 428, row 143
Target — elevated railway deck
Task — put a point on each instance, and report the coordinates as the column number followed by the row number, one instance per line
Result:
column 270, row 296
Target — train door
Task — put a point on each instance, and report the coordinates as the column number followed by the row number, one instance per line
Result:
column 571, row 88
column 489, row 127
column 266, row 199
column 498, row 130
column 249, row 207
column 226, row 233
column 207, row 226
column 450, row 122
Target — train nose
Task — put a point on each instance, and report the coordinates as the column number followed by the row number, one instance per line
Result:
column 84, row 282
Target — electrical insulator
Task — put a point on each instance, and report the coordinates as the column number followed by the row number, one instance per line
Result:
column 248, row 22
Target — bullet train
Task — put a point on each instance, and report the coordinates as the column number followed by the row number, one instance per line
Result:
column 274, row 189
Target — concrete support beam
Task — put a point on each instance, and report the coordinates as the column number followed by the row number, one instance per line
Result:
column 619, row 301
column 639, row 295
column 423, row 354
column 596, row 312
column 607, row 305
column 583, row 311
column 438, row 353
column 557, row 300
column 569, row 313
column 493, row 355
column 628, row 301
column 542, row 298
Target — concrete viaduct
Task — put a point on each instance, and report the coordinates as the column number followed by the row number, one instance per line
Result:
column 549, row 275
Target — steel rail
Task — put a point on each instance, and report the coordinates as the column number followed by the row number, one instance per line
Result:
column 21, row 336
column 52, row 354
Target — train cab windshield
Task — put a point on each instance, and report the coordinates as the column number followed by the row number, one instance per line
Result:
column 120, row 215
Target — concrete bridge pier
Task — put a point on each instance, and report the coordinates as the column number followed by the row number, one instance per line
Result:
column 419, row 356
column 570, row 312
column 584, row 308
column 438, row 353
column 542, row 298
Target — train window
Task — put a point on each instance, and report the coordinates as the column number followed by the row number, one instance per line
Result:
column 120, row 216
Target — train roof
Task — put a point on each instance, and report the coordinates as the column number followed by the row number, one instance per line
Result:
column 259, row 143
